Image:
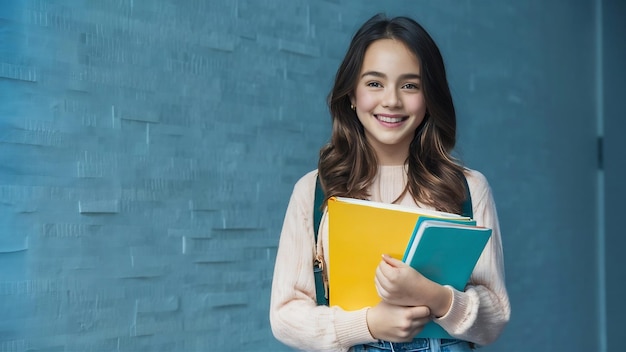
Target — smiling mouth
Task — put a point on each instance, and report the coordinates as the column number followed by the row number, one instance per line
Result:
column 389, row 119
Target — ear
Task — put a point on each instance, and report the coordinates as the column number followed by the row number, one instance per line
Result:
column 352, row 99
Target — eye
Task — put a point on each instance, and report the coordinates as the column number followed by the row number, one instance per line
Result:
column 373, row 84
column 412, row 86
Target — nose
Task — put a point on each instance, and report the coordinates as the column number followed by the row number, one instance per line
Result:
column 391, row 98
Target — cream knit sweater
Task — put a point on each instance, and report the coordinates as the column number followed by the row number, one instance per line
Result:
column 478, row 314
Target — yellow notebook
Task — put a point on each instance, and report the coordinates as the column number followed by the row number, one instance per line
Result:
column 360, row 232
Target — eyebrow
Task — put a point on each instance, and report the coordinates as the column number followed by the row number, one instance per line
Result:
column 382, row 75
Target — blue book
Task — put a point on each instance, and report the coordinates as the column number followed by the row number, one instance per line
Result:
column 426, row 217
column 445, row 252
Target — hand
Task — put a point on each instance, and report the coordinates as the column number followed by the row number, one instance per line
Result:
column 396, row 323
column 399, row 284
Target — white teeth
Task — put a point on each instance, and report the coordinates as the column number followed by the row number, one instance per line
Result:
column 389, row 119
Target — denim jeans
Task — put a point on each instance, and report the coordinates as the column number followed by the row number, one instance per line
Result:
column 417, row 345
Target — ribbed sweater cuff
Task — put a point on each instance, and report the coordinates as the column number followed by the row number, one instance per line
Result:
column 458, row 319
column 352, row 327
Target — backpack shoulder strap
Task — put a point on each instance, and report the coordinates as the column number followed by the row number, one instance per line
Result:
column 467, row 204
column 317, row 207
column 318, row 272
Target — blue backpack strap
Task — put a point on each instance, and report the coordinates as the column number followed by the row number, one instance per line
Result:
column 318, row 272
column 317, row 208
column 467, row 204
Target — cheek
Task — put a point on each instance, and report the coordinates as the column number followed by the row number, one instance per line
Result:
column 365, row 101
column 416, row 106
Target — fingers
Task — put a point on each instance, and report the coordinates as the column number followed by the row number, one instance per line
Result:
column 382, row 283
column 382, row 289
column 398, row 283
column 396, row 323
column 386, row 272
column 393, row 261
column 392, row 267
column 420, row 312
column 379, row 289
column 391, row 282
column 412, row 322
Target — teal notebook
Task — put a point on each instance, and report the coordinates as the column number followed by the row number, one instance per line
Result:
column 424, row 218
column 445, row 252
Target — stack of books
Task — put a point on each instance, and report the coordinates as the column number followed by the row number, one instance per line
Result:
column 443, row 247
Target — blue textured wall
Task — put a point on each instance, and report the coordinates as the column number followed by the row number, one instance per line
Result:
column 148, row 150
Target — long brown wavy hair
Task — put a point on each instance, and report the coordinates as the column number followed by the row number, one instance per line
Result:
column 348, row 165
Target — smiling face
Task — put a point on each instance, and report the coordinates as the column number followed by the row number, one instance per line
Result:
column 388, row 99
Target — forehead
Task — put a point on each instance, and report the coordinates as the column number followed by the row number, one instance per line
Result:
column 390, row 55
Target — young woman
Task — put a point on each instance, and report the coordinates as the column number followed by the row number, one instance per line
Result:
column 394, row 128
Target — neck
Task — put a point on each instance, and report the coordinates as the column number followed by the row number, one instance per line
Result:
column 391, row 155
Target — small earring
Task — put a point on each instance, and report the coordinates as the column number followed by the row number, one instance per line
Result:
column 352, row 107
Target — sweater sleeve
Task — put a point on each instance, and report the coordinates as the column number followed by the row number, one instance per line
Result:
column 295, row 317
column 480, row 313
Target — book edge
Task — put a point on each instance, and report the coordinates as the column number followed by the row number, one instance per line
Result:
column 397, row 207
